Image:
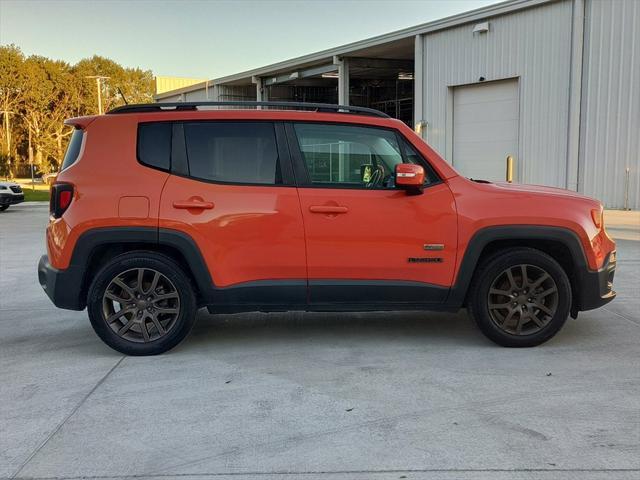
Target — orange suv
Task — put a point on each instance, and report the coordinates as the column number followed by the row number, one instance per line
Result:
column 161, row 209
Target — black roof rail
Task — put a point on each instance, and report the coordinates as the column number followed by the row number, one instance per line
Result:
column 181, row 106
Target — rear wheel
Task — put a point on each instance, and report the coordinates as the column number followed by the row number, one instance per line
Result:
column 141, row 303
column 520, row 297
column 3, row 207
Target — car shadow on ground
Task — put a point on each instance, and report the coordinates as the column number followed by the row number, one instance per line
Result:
column 441, row 330
column 293, row 330
column 328, row 328
column 72, row 332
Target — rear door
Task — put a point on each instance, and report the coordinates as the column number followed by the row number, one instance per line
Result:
column 368, row 243
column 232, row 192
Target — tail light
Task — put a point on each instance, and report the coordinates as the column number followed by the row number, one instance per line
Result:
column 61, row 198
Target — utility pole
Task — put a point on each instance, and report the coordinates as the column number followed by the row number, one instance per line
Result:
column 99, row 79
column 33, row 182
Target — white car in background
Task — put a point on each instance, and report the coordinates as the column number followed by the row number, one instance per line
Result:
column 10, row 194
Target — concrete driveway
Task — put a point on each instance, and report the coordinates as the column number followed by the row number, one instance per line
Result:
column 315, row 396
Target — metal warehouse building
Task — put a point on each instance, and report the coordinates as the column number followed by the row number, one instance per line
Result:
column 553, row 83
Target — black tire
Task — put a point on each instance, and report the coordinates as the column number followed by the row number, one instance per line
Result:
column 181, row 322
column 519, row 311
column 3, row 207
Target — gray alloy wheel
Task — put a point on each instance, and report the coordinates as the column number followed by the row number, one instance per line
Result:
column 522, row 299
column 141, row 305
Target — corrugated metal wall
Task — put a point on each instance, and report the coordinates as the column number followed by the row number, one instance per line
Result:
column 198, row 95
column 237, row 92
column 173, row 98
column 533, row 45
column 219, row 92
column 610, row 110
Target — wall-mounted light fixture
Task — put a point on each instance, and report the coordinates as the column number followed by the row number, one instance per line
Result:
column 481, row 27
column 420, row 126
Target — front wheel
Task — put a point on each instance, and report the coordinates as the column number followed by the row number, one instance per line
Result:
column 141, row 303
column 520, row 297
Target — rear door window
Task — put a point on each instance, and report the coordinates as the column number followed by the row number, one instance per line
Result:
column 233, row 152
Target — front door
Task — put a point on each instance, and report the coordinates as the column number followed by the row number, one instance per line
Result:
column 485, row 128
column 369, row 243
column 236, row 200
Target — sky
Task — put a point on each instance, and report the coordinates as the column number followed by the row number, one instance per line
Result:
column 206, row 38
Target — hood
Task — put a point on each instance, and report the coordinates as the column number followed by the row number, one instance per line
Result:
column 537, row 190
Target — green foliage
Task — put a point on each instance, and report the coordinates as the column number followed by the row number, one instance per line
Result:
column 35, row 195
column 40, row 93
column 4, row 165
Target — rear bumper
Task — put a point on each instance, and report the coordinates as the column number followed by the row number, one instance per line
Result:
column 11, row 199
column 596, row 288
column 61, row 286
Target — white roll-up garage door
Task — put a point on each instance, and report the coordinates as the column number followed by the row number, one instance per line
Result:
column 485, row 128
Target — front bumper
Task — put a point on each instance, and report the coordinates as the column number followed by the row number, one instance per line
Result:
column 63, row 287
column 595, row 289
column 11, row 198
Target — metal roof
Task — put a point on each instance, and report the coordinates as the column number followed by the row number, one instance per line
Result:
column 350, row 48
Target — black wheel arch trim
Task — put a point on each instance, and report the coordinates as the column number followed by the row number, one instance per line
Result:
column 192, row 255
column 487, row 235
column 75, row 277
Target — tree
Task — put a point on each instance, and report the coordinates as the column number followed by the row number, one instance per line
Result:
column 46, row 103
column 38, row 94
column 12, row 77
column 135, row 84
column 4, row 165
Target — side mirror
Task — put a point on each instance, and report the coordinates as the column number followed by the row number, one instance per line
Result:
column 410, row 177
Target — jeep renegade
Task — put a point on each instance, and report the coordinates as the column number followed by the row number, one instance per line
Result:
column 161, row 209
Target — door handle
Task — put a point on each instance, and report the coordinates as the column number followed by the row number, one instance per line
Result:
column 331, row 209
column 193, row 204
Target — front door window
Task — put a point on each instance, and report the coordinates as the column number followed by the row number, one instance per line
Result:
column 352, row 156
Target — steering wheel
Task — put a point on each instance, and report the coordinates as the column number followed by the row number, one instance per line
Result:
column 376, row 177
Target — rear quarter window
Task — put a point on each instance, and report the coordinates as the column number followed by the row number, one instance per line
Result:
column 73, row 149
column 154, row 145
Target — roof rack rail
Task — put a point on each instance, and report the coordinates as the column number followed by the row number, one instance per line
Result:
column 181, row 106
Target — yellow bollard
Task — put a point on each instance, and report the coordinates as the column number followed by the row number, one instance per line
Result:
column 509, row 168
